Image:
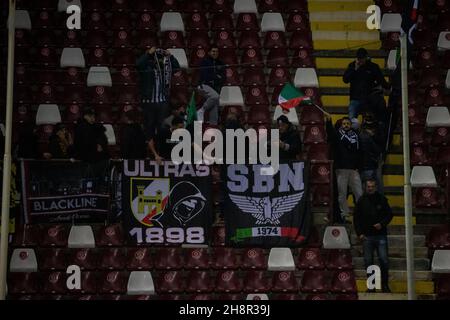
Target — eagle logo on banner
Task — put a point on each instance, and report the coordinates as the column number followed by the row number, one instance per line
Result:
column 265, row 210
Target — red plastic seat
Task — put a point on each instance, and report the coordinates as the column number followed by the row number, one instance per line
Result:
column 228, row 281
column 298, row 22
column 23, row 283
column 388, row 6
column 320, row 173
column 343, row 282
column 274, row 39
column 196, row 57
column 276, row 58
column 120, row 21
column 259, row 114
column 339, row 260
column 310, row 258
column 44, row 38
column 417, row 135
column 144, row 6
column 253, row 258
column 220, row 6
column 172, row 39
column 122, row 39
column 443, row 22
column 73, row 76
column 112, row 258
column 249, row 39
column 443, row 284
column 247, row 21
column 199, row 282
column 225, row 39
column 168, row 5
column 222, row 21
column 321, row 193
column 427, row 198
column 46, row 94
column 440, row 137
column 269, row 6
column 426, row 59
column 218, row 236
column 314, row 134
column 197, row 21
column 198, row 39
column 139, row 258
column 194, row 6
column 419, row 156
column 300, row 40
column 146, row 21
column 311, row 115
column 225, row 258
column 296, row 6
column 113, row 282
column 53, row 282
column 170, row 282
column 111, row 235
column 72, row 39
column 256, row 282
column 232, row 77
column 392, row 41
column 105, row 114
column 284, row 281
column 256, row 95
column 169, row 258
column 96, row 21
column 96, row 39
column 180, row 78
column 279, row 77
column 21, row 75
column 52, row 259
column 44, row 19
column 439, row 237
column 424, row 39
column 314, row 281
column 252, row 58
column 230, row 296
column 86, row 259
column 415, row 115
column 22, row 56
column 100, row 95
column 180, row 96
column 147, row 39
column 23, row 114
column 197, row 258
column 121, row 5
column 95, row 5
column 54, row 236
column 228, row 56
column 98, row 57
column 47, row 57
column 125, row 76
column 435, row 97
column 443, row 156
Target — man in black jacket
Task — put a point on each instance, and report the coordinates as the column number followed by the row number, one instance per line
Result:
column 364, row 77
column 212, row 78
column 132, row 144
column 371, row 218
column 290, row 143
column 155, row 67
column 345, row 143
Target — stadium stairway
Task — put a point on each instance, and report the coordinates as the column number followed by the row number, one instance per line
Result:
column 339, row 29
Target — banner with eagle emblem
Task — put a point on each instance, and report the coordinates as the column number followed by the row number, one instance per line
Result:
column 267, row 210
column 166, row 204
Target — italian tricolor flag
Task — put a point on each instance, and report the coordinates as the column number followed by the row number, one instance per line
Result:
column 290, row 97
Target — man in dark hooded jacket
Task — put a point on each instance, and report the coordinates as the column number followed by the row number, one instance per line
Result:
column 290, row 143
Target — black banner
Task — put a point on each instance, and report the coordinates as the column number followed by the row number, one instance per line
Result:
column 166, row 204
column 64, row 191
column 266, row 210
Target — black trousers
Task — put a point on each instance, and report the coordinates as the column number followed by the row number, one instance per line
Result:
column 154, row 115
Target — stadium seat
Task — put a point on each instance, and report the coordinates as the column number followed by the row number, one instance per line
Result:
column 443, row 285
column 47, row 57
column 146, row 21
column 441, row 261
column 339, row 260
column 298, row 22
column 423, row 176
column 228, row 282
column 228, row 56
column 440, row 137
column 22, row 20
column 314, row 134
column 311, row 115
column 96, row 39
column 197, row 258
column 218, row 236
column 96, row 21
column 99, row 76
column 256, row 281
column 245, row 6
column 424, row 39
column 252, row 58
column 436, row 97
column 123, row 39
column 113, row 282
column 48, row 114
column 127, row 76
column 257, row 296
column 419, row 156
column 438, row 117
column 23, row 260
column 284, row 281
column 291, row 115
column 427, row 198
column 108, row 236
column 306, row 77
column 169, row 258
column 199, row 282
column 391, row 41
column 224, row 258
column 231, row 96
column 300, row 40
column 170, row 282
column 180, row 55
column 222, row 21
column 336, row 237
column 144, row 6
column 321, row 193
column 274, row 39
column 196, row 57
column 23, row 283
column 444, row 41
column 343, row 282
column 85, row 258
column 415, row 115
column 259, row 115
column 439, row 237
column 417, row 135
column 197, row 21
column 26, row 236
column 443, row 156
column 314, row 281
column 425, row 58
column 52, row 259
column 279, row 77
column 302, row 58
column 194, row 6
column 254, row 77
column 120, row 21
column 64, row 4
column 23, row 114
column 249, row 39
column 310, row 258
column 198, row 39
column 272, row 22
column 253, row 258
column 121, row 5
column 220, row 6
column 81, row 237
column 296, row 6
column 225, row 39
column 72, row 57
column 112, row 258
column 172, row 39
column 277, row 57
column 139, row 259
column 247, row 21
column 53, row 282
column 391, row 22
column 281, row 259
column 256, row 95
column 98, row 57
column 171, row 21
column 147, row 39
column 140, row 283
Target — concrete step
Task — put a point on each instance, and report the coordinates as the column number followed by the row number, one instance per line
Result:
column 396, row 264
column 392, row 296
column 422, row 287
column 418, row 229
column 349, row 54
column 394, row 252
column 393, row 240
column 399, row 275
